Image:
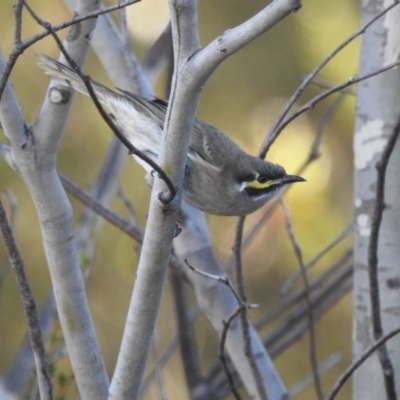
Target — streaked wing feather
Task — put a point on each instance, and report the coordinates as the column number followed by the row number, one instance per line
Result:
column 155, row 108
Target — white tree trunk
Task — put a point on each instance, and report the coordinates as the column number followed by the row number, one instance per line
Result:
column 378, row 108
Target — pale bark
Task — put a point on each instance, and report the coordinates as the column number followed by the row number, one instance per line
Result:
column 192, row 67
column 32, row 155
column 124, row 72
column 377, row 111
column 218, row 302
column 34, row 161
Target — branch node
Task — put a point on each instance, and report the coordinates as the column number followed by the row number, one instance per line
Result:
column 59, row 96
column 297, row 6
column 167, row 197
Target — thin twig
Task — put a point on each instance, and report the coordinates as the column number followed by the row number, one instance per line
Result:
column 113, row 218
column 287, row 286
column 169, row 350
column 325, row 84
column 310, row 313
column 315, row 284
column 322, row 124
column 128, row 205
column 5, row 265
column 126, row 52
column 237, row 250
column 17, row 8
column 311, row 104
column 226, row 281
column 383, row 356
column 323, row 367
column 16, row 48
column 160, row 52
column 77, row 19
column 166, row 355
column 123, row 30
column 20, row 46
column 350, row 370
column 103, row 211
column 187, row 337
column 159, row 375
column 35, row 333
column 278, row 125
column 226, row 324
column 295, row 324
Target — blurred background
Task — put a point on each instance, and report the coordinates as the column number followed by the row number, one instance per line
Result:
column 242, row 98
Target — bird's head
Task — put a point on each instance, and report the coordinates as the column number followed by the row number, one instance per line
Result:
column 265, row 180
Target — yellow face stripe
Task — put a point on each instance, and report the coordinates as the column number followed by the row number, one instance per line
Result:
column 255, row 184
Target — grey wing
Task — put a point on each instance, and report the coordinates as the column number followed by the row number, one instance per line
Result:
column 207, row 145
column 156, row 108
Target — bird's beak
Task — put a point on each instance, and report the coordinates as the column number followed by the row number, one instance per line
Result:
column 254, row 185
column 292, row 179
column 287, row 179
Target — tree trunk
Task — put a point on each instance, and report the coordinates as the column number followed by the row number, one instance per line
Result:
column 378, row 109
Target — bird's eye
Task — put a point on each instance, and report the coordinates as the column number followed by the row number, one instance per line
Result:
column 262, row 179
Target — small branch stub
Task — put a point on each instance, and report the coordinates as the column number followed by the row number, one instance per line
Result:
column 59, row 96
column 167, row 196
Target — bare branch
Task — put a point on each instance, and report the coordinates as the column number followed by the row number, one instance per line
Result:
column 310, row 313
column 11, row 118
column 105, row 212
column 35, row 334
column 128, row 205
column 232, row 40
column 161, row 219
column 225, row 280
column 110, row 216
column 337, row 88
column 217, row 302
column 292, row 280
column 277, row 126
column 195, row 382
column 18, row 7
column 159, row 53
column 76, row 20
column 226, row 324
column 5, row 265
column 383, row 356
column 314, row 151
column 34, row 159
column 350, row 370
column 159, row 375
column 20, row 46
column 237, row 249
column 163, row 358
column 293, row 326
column 323, row 367
column 165, row 198
column 316, row 284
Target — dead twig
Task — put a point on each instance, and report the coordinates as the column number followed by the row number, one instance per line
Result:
column 30, row 309
column 350, row 370
column 383, row 355
column 310, row 312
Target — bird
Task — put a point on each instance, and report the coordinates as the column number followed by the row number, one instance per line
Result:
column 219, row 179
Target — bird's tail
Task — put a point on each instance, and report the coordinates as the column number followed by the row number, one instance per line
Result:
column 67, row 77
